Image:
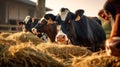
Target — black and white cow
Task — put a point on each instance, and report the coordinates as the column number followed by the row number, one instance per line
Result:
column 48, row 26
column 80, row 29
column 29, row 23
column 61, row 37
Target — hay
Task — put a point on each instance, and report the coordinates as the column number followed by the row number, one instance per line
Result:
column 7, row 42
column 97, row 60
column 26, row 56
column 24, row 37
column 4, row 35
column 64, row 53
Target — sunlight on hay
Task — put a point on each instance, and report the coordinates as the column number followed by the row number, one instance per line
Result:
column 7, row 42
column 96, row 60
column 24, row 37
column 25, row 56
column 4, row 35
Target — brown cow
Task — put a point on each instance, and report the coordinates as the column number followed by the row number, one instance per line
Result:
column 106, row 21
column 113, row 43
column 47, row 25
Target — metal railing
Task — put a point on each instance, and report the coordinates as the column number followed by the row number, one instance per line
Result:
column 10, row 28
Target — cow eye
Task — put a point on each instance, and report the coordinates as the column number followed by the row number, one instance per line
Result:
column 118, row 46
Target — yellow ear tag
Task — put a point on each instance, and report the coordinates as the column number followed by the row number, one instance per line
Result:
column 77, row 18
column 50, row 21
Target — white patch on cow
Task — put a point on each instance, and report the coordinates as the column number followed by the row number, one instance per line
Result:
column 64, row 14
column 41, row 20
column 34, row 31
column 26, row 19
column 107, row 47
column 61, row 33
column 116, row 38
column 44, row 37
column 58, row 27
column 111, row 44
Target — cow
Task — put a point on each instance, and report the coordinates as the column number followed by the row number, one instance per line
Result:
column 113, row 42
column 80, row 29
column 106, row 21
column 29, row 23
column 47, row 25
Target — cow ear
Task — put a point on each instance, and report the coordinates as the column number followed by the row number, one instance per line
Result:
column 104, row 15
column 78, row 14
column 77, row 18
column 58, row 19
column 21, row 23
column 101, row 13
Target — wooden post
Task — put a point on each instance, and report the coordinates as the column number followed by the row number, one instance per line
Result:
column 40, row 5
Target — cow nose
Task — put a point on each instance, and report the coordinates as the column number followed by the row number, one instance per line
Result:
column 61, row 38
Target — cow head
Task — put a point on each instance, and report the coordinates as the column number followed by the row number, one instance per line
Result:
column 47, row 19
column 64, row 16
column 47, row 24
column 26, row 23
column 105, row 15
column 27, row 19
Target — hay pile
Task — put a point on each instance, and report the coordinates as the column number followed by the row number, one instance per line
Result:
column 97, row 60
column 25, row 56
column 7, row 42
column 24, row 37
column 64, row 53
column 3, row 35
column 3, row 41
column 20, row 50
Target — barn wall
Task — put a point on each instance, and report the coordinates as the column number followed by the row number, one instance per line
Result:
column 14, row 10
column 2, row 12
column 18, row 11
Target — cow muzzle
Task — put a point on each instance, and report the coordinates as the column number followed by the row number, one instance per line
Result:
column 34, row 31
column 62, row 39
column 113, row 47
